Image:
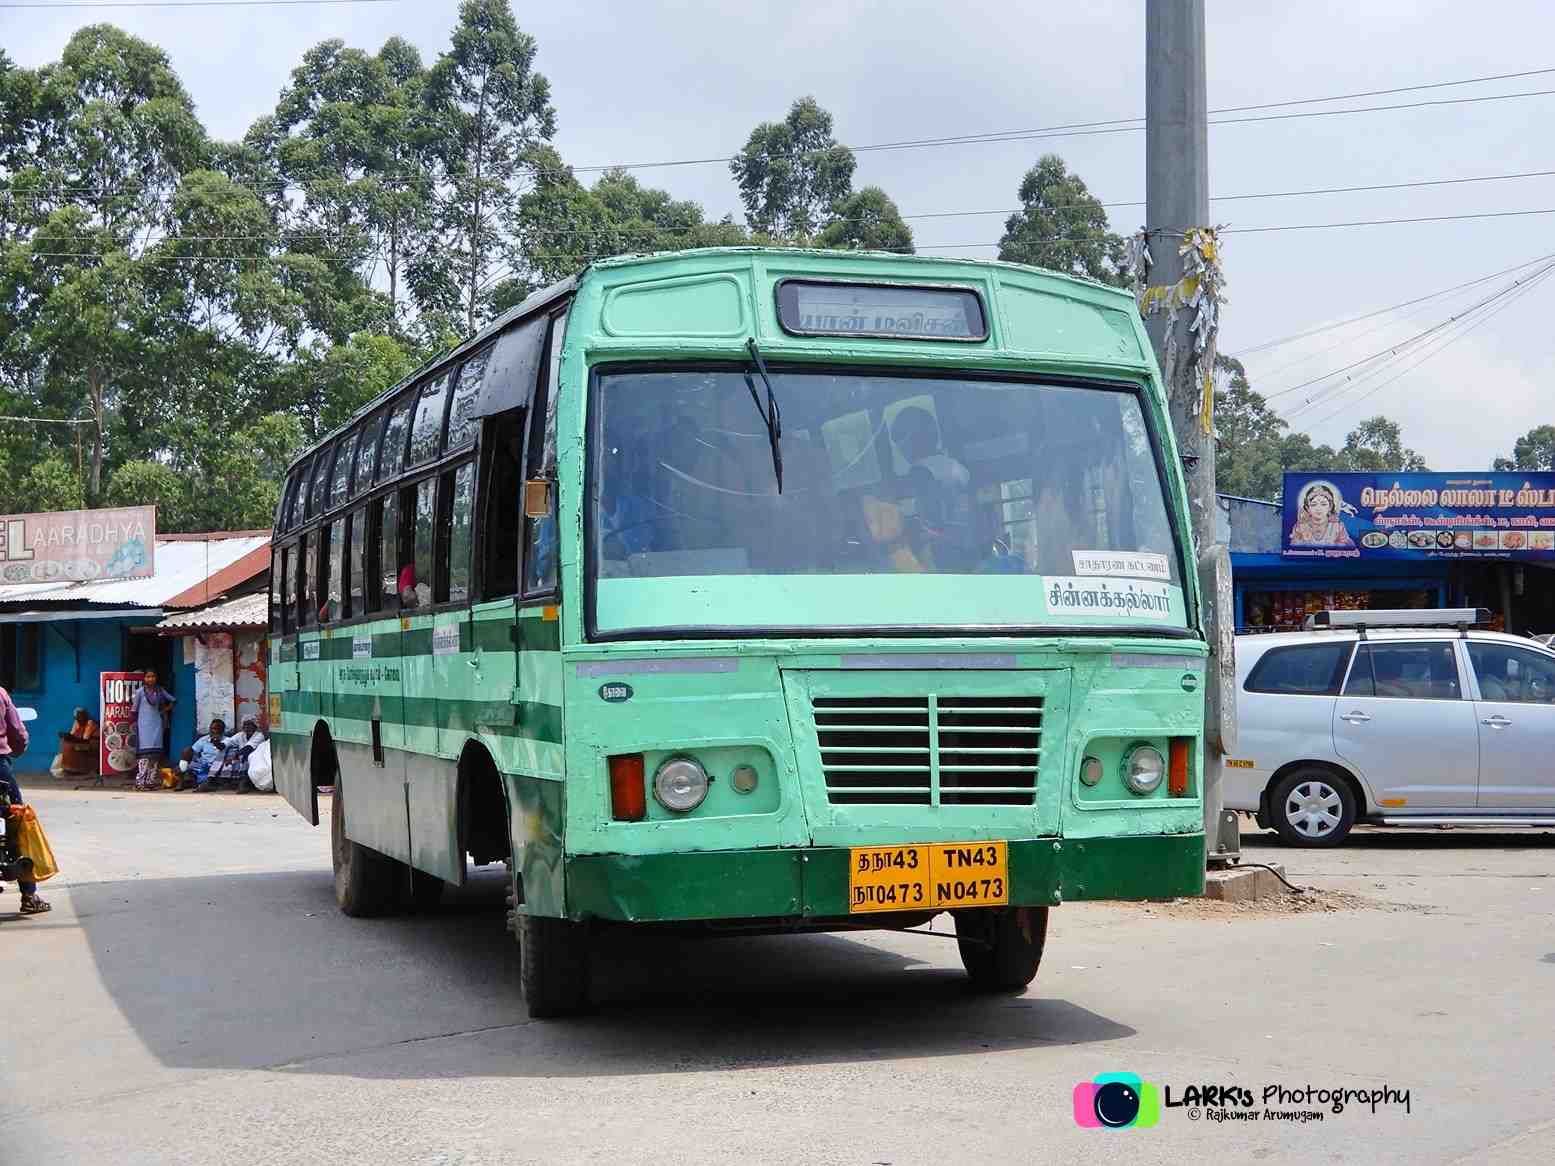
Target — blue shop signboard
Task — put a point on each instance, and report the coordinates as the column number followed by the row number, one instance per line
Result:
column 1419, row 516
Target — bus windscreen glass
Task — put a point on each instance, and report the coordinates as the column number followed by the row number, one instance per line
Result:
column 907, row 502
column 868, row 309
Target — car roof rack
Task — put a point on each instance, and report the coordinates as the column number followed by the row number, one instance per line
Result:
column 1460, row 618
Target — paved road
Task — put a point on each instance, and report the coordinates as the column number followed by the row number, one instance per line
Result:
column 195, row 997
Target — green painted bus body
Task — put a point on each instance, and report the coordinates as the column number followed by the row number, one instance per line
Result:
column 522, row 680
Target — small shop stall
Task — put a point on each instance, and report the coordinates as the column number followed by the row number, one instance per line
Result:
column 1349, row 541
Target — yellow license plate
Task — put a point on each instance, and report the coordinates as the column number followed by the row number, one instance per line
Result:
column 931, row 876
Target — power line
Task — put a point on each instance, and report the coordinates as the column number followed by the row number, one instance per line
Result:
column 1114, row 125
column 1447, row 342
column 1394, row 351
column 1243, row 352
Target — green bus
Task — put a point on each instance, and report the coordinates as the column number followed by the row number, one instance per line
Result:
column 754, row 589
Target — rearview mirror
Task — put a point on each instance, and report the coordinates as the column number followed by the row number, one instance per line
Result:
column 537, row 498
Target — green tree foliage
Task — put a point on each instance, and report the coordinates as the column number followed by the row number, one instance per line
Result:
column 1062, row 226
column 490, row 107
column 1255, row 446
column 792, row 174
column 867, row 220
column 563, row 225
column 352, row 133
column 1534, row 450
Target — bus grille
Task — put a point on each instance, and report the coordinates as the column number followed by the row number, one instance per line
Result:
column 929, row 750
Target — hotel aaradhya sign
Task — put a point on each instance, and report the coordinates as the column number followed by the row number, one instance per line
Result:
column 78, row 546
column 1415, row 516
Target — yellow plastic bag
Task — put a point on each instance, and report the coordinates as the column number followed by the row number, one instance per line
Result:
column 32, row 843
column 169, row 778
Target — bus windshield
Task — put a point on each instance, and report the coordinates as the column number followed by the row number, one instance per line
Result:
column 907, row 501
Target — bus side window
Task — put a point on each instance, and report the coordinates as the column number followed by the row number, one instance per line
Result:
column 501, row 502
column 457, row 519
column 388, row 592
column 332, row 543
column 540, row 534
column 425, row 516
column 286, row 613
column 355, row 594
column 307, row 601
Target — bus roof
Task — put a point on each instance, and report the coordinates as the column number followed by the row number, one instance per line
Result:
column 543, row 299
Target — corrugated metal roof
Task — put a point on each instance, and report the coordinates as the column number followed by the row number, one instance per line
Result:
column 180, row 563
column 246, row 611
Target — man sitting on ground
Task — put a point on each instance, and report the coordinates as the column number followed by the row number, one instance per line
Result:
column 207, row 761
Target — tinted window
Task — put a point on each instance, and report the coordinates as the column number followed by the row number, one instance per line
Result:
column 367, row 454
column 343, row 466
column 321, row 470
column 389, row 552
column 1513, row 674
column 1301, row 670
column 461, row 413
column 1404, row 671
column 426, row 436
column 391, row 455
column 277, row 576
column 299, row 495
column 356, row 570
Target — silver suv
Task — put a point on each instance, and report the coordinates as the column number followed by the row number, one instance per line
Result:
column 1392, row 725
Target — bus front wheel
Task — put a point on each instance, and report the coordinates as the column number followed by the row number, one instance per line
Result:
column 1001, row 947
column 553, row 965
column 366, row 881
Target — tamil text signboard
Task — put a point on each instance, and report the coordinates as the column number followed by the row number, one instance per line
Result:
column 1413, row 516
column 78, row 546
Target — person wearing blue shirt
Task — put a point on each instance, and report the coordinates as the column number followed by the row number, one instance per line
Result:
column 206, row 757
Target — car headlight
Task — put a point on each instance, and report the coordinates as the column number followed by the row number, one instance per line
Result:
column 680, row 784
column 1143, row 769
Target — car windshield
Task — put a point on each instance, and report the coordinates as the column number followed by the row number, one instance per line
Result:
column 883, row 476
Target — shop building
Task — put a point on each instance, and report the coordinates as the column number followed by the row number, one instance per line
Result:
column 226, row 643
column 56, row 639
column 1395, row 541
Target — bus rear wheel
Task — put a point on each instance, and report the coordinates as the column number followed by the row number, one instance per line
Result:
column 366, row 882
column 553, row 965
column 1001, row 947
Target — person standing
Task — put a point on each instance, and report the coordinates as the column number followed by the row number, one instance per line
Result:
column 151, row 708
column 13, row 739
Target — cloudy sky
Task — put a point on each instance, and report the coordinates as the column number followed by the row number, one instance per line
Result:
column 650, row 80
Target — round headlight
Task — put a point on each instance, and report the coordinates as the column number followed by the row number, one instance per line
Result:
column 1143, row 769
column 680, row 784
column 1091, row 770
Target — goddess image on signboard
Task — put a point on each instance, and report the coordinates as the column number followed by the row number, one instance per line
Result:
column 1318, row 523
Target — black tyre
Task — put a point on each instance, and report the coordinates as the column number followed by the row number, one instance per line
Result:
column 1312, row 807
column 1001, row 948
column 554, row 965
column 367, row 883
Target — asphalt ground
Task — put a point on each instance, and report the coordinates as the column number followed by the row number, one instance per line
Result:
column 195, row 997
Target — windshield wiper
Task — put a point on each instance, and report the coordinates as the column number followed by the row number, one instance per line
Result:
column 771, row 415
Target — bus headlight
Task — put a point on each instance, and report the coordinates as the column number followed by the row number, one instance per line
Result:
column 1143, row 769
column 680, row 784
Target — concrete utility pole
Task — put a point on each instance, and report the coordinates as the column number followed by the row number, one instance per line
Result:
column 1176, row 200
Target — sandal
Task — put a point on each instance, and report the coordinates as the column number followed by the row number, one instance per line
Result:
column 32, row 905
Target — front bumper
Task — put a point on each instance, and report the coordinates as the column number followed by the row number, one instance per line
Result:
column 812, row 882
